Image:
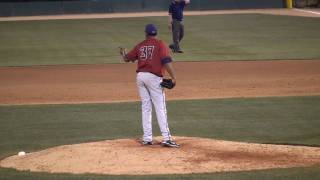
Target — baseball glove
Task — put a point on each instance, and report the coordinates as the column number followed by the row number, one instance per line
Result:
column 122, row 51
column 167, row 83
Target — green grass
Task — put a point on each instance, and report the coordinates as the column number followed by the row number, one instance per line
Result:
column 310, row 173
column 286, row 120
column 212, row 37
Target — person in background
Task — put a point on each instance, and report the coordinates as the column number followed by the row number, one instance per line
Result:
column 176, row 23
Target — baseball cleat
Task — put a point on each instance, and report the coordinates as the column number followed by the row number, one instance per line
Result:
column 147, row 143
column 170, row 143
column 171, row 46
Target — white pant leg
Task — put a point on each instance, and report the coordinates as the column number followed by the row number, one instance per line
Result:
column 146, row 107
column 159, row 102
column 157, row 95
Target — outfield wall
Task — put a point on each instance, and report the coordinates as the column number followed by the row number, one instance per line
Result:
column 51, row 7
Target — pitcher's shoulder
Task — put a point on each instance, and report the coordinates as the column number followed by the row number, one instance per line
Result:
column 161, row 42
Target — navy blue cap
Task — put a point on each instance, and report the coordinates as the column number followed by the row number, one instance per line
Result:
column 151, row 29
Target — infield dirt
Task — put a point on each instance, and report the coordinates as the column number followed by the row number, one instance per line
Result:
column 195, row 80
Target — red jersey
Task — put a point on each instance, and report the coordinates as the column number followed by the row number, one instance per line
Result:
column 152, row 54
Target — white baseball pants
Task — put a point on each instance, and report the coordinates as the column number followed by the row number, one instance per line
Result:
column 151, row 92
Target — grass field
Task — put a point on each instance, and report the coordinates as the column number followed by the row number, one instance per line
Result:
column 286, row 120
column 311, row 173
column 212, row 37
column 281, row 120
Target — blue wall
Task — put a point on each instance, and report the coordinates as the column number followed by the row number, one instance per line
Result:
column 46, row 7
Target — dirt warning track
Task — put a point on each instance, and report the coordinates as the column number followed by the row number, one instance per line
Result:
column 196, row 80
column 278, row 12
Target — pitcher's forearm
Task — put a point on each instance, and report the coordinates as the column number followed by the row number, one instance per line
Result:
column 169, row 69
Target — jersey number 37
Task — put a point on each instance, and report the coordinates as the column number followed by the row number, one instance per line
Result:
column 146, row 52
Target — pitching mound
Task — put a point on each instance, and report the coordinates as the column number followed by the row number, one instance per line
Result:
column 197, row 155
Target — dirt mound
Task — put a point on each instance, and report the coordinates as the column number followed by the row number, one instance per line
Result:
column 197, row 155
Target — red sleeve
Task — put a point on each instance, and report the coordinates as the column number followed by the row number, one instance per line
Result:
column 165, row 56
column 133, row 54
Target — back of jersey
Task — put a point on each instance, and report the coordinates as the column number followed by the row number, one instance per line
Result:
column 151, row 54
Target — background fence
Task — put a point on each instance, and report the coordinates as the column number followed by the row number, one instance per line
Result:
column 50, row 7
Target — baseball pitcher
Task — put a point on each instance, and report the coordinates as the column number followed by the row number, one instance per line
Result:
column 153, row 58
